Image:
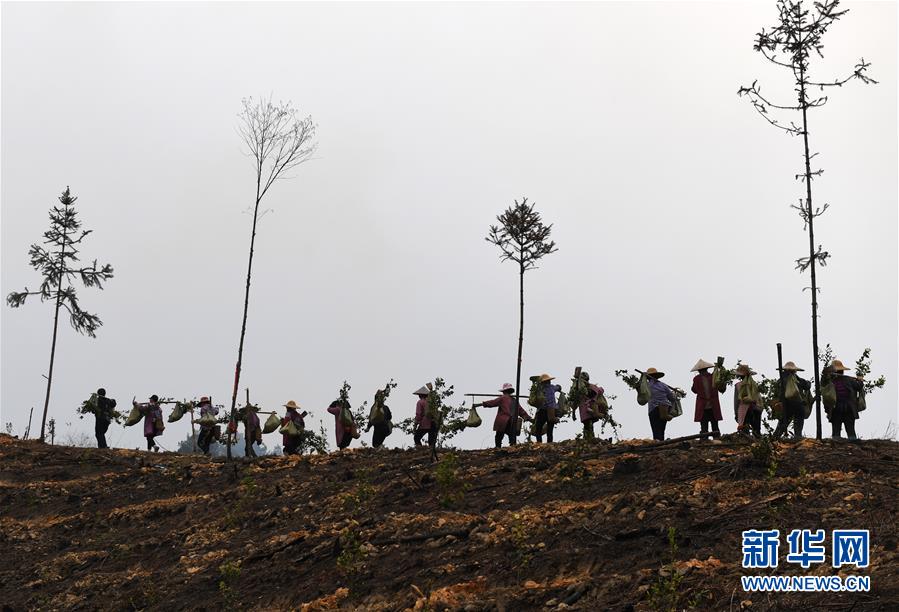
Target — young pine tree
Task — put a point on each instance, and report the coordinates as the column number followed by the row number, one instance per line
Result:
column 792, row 44
column 58, row 264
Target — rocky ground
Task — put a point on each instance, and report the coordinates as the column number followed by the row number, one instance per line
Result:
column 629, row 526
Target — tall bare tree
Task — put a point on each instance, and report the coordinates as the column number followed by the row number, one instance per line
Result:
column 524, row 239
column 277, row 139
column 791, row 44
column 57, row 264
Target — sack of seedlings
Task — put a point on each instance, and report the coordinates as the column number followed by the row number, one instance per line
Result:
column 133, row 417
column 562, row 407
column 676, row 408
column 345, row 416
column 536, row 398
column 158, row 425
column 720, row 378
column 207, row 420
column 474, row 419
column 791, row 389
column 663, row 412
column 533, row 429
column 433, row 409
column 777, row 410
column 290, row 429
column 271, row 423
column 643, row 392
column 829, row 395
column 177, row 412
column 861, row 404
column 376, row 414
column 600, row 406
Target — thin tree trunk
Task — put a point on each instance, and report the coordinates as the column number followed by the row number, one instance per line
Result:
column 62, row 263
column 811, row 254
column 246, row 305
column 520, row 344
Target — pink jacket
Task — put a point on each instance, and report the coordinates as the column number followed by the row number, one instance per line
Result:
column 292, row 415
column 585, row 409
column 151, row 413
column 507, row 407
column 339, row 429
column 421, row 417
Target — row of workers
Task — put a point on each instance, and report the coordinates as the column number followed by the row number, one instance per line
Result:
column 591, row 407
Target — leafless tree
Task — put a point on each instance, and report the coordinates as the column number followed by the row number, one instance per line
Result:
column 791, row 44
column 522, row 238
column 277, row 140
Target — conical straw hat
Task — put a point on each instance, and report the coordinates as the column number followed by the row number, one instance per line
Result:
column 702, row 364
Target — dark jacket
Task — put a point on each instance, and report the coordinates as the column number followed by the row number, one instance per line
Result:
column 848, row 389
column 706, row 397
column 105, row 408
column 384, row 426
column 803, row 385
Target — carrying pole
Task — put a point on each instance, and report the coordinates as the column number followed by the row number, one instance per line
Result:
column 780, row 362
column 28, row 429
column 193, row 428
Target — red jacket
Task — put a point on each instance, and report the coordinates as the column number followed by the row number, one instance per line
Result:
column 506, row 404
column 706, row 397
column 421, row 414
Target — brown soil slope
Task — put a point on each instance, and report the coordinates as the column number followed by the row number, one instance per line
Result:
column 567, row 526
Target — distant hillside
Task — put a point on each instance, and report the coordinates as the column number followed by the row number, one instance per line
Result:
column 565, row 526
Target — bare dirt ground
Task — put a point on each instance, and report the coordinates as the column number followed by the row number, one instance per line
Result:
column 567, row 526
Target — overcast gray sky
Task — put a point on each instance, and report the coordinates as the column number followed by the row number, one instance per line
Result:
column 669, row 197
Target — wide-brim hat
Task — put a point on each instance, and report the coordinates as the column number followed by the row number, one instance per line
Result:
column 546, row 378
column 744, row 370
column 292, row 404
column 837, row 366
column 792, row 367
column 702, row 364
column 204, row 399
column 507, row 388
column 423, row 390
column 584, row 376
column 654, row 373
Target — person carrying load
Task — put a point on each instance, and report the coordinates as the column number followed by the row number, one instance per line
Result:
column 543, row 398
column 507, row 415
column 153, row 425
column 344, row 425
column 660, row 401
column 251, row 429
column 747, row 402
column 292, row 427
column 845, row 411
column 384, row 425
column 208, row 412
column 793, row 393
column 104, row 415
column 424, row 424
column 708, row 407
